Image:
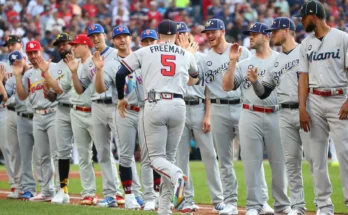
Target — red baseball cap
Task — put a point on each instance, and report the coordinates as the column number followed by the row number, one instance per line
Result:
column 81, row 39
column 32, row 46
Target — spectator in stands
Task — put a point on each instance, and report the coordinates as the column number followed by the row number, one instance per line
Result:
column 54, row 22
column 35, row 7
column 153, row 13
column 214, row 9
column 16, row 28
column 120, row 12
column 172, row 11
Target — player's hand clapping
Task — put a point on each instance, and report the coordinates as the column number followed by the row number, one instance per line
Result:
column 343, row 113
column 97, row 60
column 235, row 52
column 121, row 106
column 193, row 47
column 183, row 41
column 72, row 64
column 2, row 73
column 43, row 65
column 18, row 67
column 252, row 75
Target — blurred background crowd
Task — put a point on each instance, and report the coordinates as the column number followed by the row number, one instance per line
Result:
column 42, row 20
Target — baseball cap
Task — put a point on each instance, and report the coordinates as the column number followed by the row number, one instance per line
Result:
column 33, row 46
column 282, row 23
column 257, row 27
column 167, row 27
column 12, row 39
column 15, row 55
column 118, row 30
column 182, row 27
column 347, row 25
column 95, row 29
column 149, row 33
column 213, row 24
column 312, row 7
column 81, row 39
column 63, row 37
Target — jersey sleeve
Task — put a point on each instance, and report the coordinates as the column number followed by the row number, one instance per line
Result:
column 9, row 87
column 245, row 54
column 132, row 61
column 345, row 48
column 193, row 70
column 84, row 78
column 65, row 82
column 26, row 82
column 303, row 59
column 109, row 75
column 268, row 79
column 238, row 76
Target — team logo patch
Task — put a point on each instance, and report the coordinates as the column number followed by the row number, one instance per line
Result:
column 246, row 83
column 60, row 72
column 276, row 64
column 120, row 28
column 309, row 47
column 148, row 32
column 90, row 64
column 209, row 23
column 251, row 66
column 209, row 63
column 92, row 27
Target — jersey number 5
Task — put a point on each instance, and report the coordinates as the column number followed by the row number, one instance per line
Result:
column 166, row 60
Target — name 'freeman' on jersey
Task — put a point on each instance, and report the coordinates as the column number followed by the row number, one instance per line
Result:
column 168, row 48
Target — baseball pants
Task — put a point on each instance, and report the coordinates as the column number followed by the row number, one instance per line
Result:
column 4, row 148
column 295, row 141
column 164, row 123
column 13, row 147
column 82, row 127
column 103, row 118
column 324, row 115
column 46, row 148
column 64, row 133
column 256, row 131
column 194, row 124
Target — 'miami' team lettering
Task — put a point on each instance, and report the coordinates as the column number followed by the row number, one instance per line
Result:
column 323, row 56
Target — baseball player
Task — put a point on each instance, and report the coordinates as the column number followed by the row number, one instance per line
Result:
column 164, row 79
column 225, row 110
column 259, row 122
column 284, row 77
column 31, row 86
column 80, row 114
column 197, row 123
column 126, row 126
column 150, row 179
column 63, row 123
column 323, row 105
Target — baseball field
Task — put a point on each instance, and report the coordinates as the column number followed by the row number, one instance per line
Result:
column 201, row 193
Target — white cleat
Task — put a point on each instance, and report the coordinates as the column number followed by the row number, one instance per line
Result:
column 266, row 209
column 150, row 206
column 229, row 210
column 284, row 212
column 41, row 198
column 131, row 202
column 218, row 207
column 252, row 212
column 61, row 198
column 296, row 212
column 15, row 194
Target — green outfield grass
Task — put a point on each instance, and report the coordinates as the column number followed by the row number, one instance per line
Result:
column 201, row 189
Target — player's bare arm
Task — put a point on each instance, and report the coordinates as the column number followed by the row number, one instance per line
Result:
column 303, row 86
column 228, row 80
column 73, row 66
column 2, row 88
column 206, row 120
column 120, row 82
column 99, row 77
column 18, row 67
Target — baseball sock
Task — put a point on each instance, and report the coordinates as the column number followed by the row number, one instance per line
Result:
column 64, row 168
column 156, row 181
column 126, row 179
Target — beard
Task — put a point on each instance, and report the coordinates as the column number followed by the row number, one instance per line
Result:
column 63, row 54
column 279, row 42
column 310, row 27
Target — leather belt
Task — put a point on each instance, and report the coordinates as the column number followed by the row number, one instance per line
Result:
column 29, row 116
column 133, row 108
column 263, row 109
column 64, row 104
column 225, row 101
column 327, row 92
column 45, row 111
column 290, row 105
column 103, row 101
column 194, row 101
column 165, row 96
column 81, row 108
column 11, row 108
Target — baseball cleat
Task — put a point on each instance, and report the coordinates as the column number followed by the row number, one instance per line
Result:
column 179, row 192
column 26, row 196
column 15, row 194
column 140, row 200
column 266, row 209
column 150, row 206
column 120, row 200
column 229, row 209
column 218, row 207
column 252, row 212
column 284, row 212
column 131, row 202
column 108, row 202
column 296, row 212
column 41, row 198
column 89, row 200
column 61, row 197
column 189, row 207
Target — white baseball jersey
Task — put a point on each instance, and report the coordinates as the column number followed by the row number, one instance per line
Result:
column 325, row 60
column 214, row 67
column 62, row 70
column 196, row 91
column 88, row 75
column 66, row 85
column 33, row 84
column 165, row 67
column 21, row 106
column 241, row 79
column 284, row 76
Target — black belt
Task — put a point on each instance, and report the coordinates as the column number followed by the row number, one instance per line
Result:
column 64, row 104
column 225, row 101
column 11, row 108
column 177, row 96
column 194, row 101
column 26, row 115
column 103, row 101
column 290, row 106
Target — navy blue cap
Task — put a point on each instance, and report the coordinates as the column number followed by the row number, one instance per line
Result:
column 149, row 33
column 15, row 55
column 282, row 23
column 95, row 29
column 257, row 27
column 182, row 27
column 121, row 29
column 213, row 24
column 347, row 25
column 167, row 27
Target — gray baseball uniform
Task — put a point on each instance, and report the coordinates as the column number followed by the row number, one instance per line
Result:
column 225, row 114
column 43, row 126
column 325, row 62
column 263, row 131
column 195, row 113
column 81, row 122
column 163, row 121
column 284, row 77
